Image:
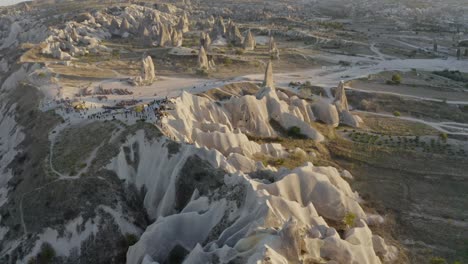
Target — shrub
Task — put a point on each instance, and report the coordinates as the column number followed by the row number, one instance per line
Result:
column 443, row 136
column 396, row 113
column 239, row 51
column 202, row 72
column 46, row 254
column 349, row 219
column 131, row 239
column 116, row 53
column 278, row 162
column 227, row 61
column 295, row 132
column 396, row 78
column 438, row 260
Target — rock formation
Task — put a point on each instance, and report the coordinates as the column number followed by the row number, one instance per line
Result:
column 114, row 27
column 146, row 37
column 249, row 41
column 203, row 59
column 342, row 107
column 326, row 112
column 163, row 38
column 125, row 27
column 219, row 29
column 148, row 75
column 273, row 50
column 177, row 38
column 268, row 80
column 205, row 40
column 233, row 35
column 340, row 97
column 183, row 24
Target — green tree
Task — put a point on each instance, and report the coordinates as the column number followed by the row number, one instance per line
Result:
column 396, row 78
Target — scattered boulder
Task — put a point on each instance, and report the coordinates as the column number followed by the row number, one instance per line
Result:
column 326, row 112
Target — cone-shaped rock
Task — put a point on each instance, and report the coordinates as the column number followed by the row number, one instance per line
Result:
column 148, row 69
column 249, row 41
column 219, row 29
column 205, row 40
column 183, row 24
column 340, row 97
column 177, row 38
column 271, row 44
column 164, row 37
column 125, row 26
column 114, row 27
column 274, row 52
column 268, row 82
column 148, row 75
column 233, row 35
column 202, row 59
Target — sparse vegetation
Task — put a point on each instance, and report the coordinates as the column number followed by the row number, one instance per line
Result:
column 396, row 79
column 295, row 132
column 45, row 256
column 349, row 219
column 443, row 137
column 453, row 75
column 406, row 143
column 131, row 239
column 438, row 260
column 331, row 25
column 202, row 72
column 227, row 61
column 74, row 145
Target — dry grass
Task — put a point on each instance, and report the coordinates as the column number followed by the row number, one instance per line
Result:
column 84, row 71
column 395, row 126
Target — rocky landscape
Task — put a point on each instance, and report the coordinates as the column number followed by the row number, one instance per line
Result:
column 202, row 131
